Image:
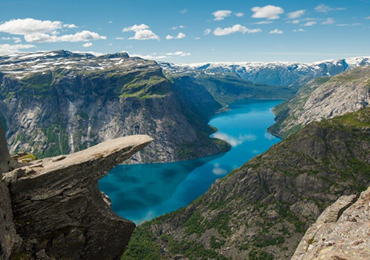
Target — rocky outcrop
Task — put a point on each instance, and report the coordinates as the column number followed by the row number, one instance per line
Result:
column 341, row 232
column 262, row 209
column 53, row 208
column 323, row 98
column 61, row 102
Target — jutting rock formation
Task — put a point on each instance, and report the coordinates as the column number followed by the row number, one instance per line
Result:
column 53, row 209
column 341, row 232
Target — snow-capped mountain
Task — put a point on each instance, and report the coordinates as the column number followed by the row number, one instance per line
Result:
column 23, row 64
column 271, row 73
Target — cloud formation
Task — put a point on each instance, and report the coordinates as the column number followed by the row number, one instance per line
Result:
column 328, row 21
column 179, row 53
column 142, row 32
column 46, row 31
column 268, row 12
column 310, row 23
column 179, row 36
column 234, row 29
column 207, row 31
column 87, row 45
column 8, row 48
column 83, row 36
column 221, row 14
column 276, row 31
column 325, row 8
column 296, row 14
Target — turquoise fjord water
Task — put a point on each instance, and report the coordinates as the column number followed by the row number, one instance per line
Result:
column 142, row 192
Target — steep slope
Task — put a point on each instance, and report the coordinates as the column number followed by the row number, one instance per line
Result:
column 271, row 73
column 323, row 98
column 228, row 88
column 261, row 210
column 341, row 232
column 61, row 102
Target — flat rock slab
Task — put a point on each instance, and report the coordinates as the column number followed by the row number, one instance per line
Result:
column 58, row 209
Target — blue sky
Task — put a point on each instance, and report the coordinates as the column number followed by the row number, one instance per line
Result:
column 190, row 31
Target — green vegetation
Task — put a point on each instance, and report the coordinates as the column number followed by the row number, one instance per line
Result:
column 142, row 246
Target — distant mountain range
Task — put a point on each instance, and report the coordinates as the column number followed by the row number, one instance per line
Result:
column 270, row 73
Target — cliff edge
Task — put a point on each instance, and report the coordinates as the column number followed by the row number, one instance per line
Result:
column 53, row 209
column 341, row 232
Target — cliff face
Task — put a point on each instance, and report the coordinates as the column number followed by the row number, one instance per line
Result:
column 53, row 209
column 323, row 98
column 261, row 210
column 341, row 232
column 60, row 102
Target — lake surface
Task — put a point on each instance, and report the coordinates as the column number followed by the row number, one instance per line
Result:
column 142, row 192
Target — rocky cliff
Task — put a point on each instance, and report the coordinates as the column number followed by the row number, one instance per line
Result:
column 262, row 209
column 323, row 98
column 53, row 209
column 341, row 232
column 60, row 102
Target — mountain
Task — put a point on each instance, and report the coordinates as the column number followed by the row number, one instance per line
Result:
column 271, row 73
column 262, row 209
column 323, row 98
column 61, row 102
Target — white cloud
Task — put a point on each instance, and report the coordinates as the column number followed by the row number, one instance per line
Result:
column 299, row 30
column 240, row 14
column 325, row 8
column 70, row 26
column 15, row 39
column 221, row 14
column 234, row 141
column 368, row 18
column 264, row 22
column 46, row 31
column 110, row 22
column 207, row 31
column 310, row 23
column 29, row 26
column 149, row 57
column 179, row 36
column 119, row 38
column 86, row 45
column 268, row 12
column 142, row 32
column 184, row 11
column 295, row 21
column 136, row 28
column 83, row 36
column 276, row 31
column 328, row 21
column 234, row 29
column 178, row 27
column 197, row 38
column 296, row 14
column 179, row 53
column 144, row 35
column 9, row 49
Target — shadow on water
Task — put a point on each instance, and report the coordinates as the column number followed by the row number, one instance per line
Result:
column 142, row 192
